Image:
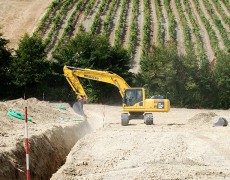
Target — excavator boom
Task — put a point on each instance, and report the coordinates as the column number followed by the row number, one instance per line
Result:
column 135, row 105
column 72, row 74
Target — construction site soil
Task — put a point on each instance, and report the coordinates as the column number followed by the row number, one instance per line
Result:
column 182, row 144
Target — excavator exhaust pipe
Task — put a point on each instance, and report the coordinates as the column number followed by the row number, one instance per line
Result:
column 78, row 108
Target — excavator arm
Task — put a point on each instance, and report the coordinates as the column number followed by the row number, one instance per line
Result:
column 74, row 82
column 72, row 74
column 135, row 105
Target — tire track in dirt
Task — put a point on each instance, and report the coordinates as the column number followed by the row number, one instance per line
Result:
column 127, row 23
column 135, row 66
column 115, row 22
column 203, row 32
column 154, row 21
column 165, row 22
column 88, row 20
column 217, row 32
column 226, row 26
column 180, row 33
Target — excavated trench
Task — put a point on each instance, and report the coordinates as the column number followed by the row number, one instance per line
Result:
column 48, row 151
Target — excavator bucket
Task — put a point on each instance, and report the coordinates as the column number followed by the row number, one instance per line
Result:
column 78, row 108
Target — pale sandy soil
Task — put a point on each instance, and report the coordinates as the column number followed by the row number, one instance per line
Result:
column 43, row 114
column 52, row 133
column 20, row 16
column 182, row 144
column 226, row 10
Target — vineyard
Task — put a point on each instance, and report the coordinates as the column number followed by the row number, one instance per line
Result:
column 177, row 49
column 200, row 25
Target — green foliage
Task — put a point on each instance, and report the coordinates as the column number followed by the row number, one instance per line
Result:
column 87, row 50
column 157, row 65
column 107, row 21
column 92, row 51
column 134, row 31
column 70, row 25
column 222, row 76
column 187, row 83
column 29, row 65
column 47, row 15
column 5, row 57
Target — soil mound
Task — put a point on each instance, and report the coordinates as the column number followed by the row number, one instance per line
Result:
column 52, row 133
column 202, row 119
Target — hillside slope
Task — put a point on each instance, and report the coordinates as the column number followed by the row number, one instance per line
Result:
column 18, row 17
column 136, row 24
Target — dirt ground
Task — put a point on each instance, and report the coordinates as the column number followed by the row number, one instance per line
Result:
column 43, row 114
column 182, row 144
column 52, row 133
column 20, row 16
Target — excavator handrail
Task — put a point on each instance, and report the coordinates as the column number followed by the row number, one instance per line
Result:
column 72, row 74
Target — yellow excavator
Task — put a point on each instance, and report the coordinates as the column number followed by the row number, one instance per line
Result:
column 134, row 103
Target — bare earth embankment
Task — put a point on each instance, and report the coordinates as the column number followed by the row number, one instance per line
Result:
column 182, row 144
column 20, row 16
column 52, row 133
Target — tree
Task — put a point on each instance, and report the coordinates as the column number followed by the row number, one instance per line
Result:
column 222, row 77
column 157, row 70
column 87, row 50
column 5, row 58
column 165, row 72
column 29, row 65
column 92, row 51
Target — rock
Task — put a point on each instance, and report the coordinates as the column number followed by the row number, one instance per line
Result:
column 221, row 122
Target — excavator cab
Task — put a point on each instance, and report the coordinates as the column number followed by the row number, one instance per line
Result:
column 133, row 96
column 135, row 104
